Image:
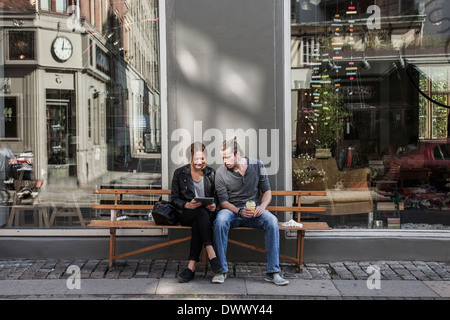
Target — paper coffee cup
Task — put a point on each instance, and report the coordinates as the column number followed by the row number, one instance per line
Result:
column 251, row 205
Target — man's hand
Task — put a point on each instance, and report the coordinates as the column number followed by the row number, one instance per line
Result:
column 247, row 213
column 259, row 210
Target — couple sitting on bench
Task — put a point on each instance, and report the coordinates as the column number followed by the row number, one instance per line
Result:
column 237, row 182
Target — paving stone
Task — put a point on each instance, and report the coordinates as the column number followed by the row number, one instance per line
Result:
column 440, row 270
column 442, row 288
column 429, row 273
column 143, row 269
column 357, row 272
column 341, row 272
column 201, row 287
column 297, row 287
column 34, row 287
column 388, row 288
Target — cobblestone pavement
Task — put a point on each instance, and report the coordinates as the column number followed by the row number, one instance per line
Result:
column 24, row 269
column 164, row 270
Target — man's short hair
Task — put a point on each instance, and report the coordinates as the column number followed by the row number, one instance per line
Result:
column 233, row 145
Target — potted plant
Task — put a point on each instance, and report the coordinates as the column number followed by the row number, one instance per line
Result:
column 330, row 120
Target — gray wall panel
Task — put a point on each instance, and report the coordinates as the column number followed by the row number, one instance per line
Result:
column 226, row 72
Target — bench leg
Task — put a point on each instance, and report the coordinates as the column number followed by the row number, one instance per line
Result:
column 112, row 246
column 300, row 240
column 11, row 217
column 204, row 258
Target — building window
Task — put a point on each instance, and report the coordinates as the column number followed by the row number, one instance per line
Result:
column 58, row 5
column 61, row 5
column 21, row 45
column 10, row 113
column 307, row 50
column 433, row 119
column 102, row 61
column 46, row 5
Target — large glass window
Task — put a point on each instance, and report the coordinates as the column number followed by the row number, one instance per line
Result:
column 372, row 112
column 79, row 108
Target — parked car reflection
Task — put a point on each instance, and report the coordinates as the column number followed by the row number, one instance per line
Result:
column 429, row 161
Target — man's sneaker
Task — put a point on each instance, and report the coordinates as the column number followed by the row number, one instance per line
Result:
column 215, row 265
column 276, row 278
column 219, row 278
column 186, row 276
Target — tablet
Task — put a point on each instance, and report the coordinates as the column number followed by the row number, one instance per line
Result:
column 205, row 201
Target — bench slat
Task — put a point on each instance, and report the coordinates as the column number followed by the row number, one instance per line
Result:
column 130, row 224
column 298, row 193
column 132, row 191
column 166, row 192
column 139, row 224
column 150, row 207
column 123, row 206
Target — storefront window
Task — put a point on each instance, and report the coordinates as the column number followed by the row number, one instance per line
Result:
column 79, row 107
column 372, row 120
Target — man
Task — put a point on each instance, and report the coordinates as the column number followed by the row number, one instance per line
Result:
column 239, row 180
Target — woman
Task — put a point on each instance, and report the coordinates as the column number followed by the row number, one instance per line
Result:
column 196, row 180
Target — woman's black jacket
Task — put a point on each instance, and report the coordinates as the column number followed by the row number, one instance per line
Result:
column 183, row 186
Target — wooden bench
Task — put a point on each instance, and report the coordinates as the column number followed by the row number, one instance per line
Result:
column 113, row 224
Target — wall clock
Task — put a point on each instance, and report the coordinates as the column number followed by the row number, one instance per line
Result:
column 62, row 49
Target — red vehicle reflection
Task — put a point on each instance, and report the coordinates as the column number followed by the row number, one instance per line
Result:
column 429, row 162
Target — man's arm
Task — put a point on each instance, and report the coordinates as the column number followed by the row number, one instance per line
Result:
column 265, row 201
column 229, row 206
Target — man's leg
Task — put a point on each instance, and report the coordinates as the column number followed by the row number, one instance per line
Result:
column 269, row 223
column 222, row 226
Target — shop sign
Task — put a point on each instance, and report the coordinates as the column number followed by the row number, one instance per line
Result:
column 59, row 81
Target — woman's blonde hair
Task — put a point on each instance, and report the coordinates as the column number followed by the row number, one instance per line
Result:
column 195, row 147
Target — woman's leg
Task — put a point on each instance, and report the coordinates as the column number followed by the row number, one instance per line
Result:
column 201, row 221
column 189, row 218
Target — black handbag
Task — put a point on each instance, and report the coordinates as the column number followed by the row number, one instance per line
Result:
column 164, row 213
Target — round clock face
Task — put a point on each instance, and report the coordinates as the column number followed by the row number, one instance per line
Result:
column 62, row 49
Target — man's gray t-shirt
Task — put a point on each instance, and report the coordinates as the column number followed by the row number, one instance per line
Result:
column 231, row 186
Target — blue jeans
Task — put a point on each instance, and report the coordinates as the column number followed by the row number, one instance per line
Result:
column 226, row 219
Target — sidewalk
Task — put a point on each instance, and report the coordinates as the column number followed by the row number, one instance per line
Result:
column 147, row 279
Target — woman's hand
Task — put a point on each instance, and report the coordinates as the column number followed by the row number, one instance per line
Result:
column 211, row 207
column 192, row 205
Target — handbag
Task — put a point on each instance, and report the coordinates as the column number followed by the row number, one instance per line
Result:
column 164, row 213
